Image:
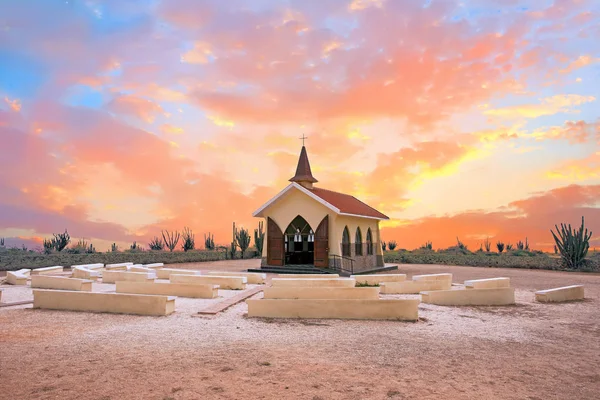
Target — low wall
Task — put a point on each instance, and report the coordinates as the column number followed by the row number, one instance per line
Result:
column 255, row 278
column 321, row 282
column 470, row 297
column 567, row 293
column 489, row 283
column 84, row 273
column 154, row 265
column 48, row 270
column 433, row 277
column 366, row 293
column 139, row 268
column 165, row 273
column 114, row 276
column 308, row 276
column 60, row 283
column 224, row 282
column 18, row 277
column 89, row 266
column 404, row 309
column 376, row 279
column 414, row 287
column 117, row 303
column 169, row 289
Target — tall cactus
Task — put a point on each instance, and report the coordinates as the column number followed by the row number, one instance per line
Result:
column 572, row 245
column 209, row 242
column 243, row 240
column 259, row 238
column 233, row 249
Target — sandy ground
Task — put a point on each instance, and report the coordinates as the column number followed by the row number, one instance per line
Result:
column 527, row 351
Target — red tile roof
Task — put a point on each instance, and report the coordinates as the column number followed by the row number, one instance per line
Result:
column 347, row 204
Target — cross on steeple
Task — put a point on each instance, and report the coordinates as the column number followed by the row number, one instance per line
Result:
column 303, row 137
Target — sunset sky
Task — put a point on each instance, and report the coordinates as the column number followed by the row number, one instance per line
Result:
column 468, row 118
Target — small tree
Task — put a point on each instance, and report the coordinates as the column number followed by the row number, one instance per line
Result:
column 259, row 238
column 156, row 244
column 243, row 240
column 189, row 241
column 383, row 245
column 500, row 246
column 209, row 242
column 171, row 239
column 572, row 245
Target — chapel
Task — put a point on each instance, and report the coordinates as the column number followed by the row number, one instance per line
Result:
column 313, row 226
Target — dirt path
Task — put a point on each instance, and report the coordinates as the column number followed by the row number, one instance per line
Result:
column 528, row 351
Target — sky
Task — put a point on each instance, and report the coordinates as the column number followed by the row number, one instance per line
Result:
column 464, row 118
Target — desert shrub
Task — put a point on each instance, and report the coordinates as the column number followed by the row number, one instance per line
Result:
column 383, row 245
column 156, row 244
column 392, row 245
column 500, row 246
column 171, row 239
column 189, row 241
column 572, row 245
column 366, row 284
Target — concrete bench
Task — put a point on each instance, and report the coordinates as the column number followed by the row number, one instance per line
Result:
column 169, row 289
column 433, row 277
column 140, row 268
column 567, row 293
column 61, row 283
column 118, row 303
column 322, row 282
column 255, row 278
column 282, row 292
column 118, row 267
column 308, row 276
column 47, row 270
column 165, row 273
column 154, row 265
column 413, row 287
column 114, row 276
column 470, row 297
column 376, row 279
column 224, row 282
column 402, row 309
column 18, row 277
column 490, row 283
column 91, row 267
column 84, row 273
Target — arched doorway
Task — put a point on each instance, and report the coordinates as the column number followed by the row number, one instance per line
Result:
column 299, row 239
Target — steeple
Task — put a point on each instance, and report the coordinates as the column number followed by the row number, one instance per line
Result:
column 303, row 173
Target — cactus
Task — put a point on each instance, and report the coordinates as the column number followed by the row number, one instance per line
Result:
column 383, row 245
column 1, row 242
column 156, row 244
column 259, row 238
column 488, row 245
column 509, row 247
column 555, row 249
column 392, row 245
column 526, row 245
column 134, row 246
column 209, row 242
column 114, row 248
column 61, row 240
column 171, row 239
column 48, row 246
column 500, row 246
column 520, row 245
column 189, row 241
column 243, row 240
column 91, row 249
column 572, row 245
column 460, row 244
column 427, row 246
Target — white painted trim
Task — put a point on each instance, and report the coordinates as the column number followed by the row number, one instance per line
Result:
column 363, row 216
column 314, row 197
column 303, row 190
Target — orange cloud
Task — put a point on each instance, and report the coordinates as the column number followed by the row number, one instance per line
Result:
column 139, row 107
column 547, row 106
column 14, row 105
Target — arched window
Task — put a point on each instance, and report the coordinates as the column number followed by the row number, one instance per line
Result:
column 369, row 242
column 358, row 242
column 346, row 243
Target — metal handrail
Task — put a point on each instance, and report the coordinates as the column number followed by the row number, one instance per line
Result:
column 341, row 264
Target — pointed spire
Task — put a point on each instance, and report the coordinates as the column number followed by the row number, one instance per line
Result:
column 303, row 172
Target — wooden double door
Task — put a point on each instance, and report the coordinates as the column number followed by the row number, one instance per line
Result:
column 276, row 244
